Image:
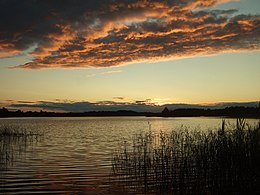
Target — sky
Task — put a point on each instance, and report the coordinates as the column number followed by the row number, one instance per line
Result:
column 128, row 54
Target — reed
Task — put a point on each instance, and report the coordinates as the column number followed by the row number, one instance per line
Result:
column 11, row 131
column 188, row 162
column 14, row 141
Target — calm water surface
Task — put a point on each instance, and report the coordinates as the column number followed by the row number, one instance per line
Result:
column 74, row 154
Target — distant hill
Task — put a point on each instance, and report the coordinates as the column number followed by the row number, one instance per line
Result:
column 233, row 111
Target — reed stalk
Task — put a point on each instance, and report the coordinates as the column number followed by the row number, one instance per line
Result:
column 188, row 162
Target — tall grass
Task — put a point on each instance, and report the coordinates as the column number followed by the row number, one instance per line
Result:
column 185, row 162
column 13, row 143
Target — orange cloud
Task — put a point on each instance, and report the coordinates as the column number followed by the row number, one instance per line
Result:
column 114, row 33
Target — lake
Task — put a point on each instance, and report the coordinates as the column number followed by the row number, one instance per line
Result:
column 74, row 154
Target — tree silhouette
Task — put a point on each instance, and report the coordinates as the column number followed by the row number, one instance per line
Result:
column 165, row 111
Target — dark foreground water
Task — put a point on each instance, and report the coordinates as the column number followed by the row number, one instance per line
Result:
column 73, row 155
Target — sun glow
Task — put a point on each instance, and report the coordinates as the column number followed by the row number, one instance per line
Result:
column 161, row 101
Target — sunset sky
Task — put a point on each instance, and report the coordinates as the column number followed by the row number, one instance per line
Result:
column 64, row 55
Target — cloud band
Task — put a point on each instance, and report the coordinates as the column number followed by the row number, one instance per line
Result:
column 105, row 33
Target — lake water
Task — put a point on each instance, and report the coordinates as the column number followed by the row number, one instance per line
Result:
column 73, row 156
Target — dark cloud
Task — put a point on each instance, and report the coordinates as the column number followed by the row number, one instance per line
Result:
column 103, row 33
column 86, row 106
column 139, row 106
column 119, row 98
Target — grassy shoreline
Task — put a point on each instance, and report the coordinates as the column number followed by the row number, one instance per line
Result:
column 185, row 162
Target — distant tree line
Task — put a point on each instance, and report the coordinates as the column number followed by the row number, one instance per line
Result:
column 236, row 112
column 18, row 113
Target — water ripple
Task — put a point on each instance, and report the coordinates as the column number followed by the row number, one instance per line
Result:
column 74, row 155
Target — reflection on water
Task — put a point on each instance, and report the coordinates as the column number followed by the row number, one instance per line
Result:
column 75, row 154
